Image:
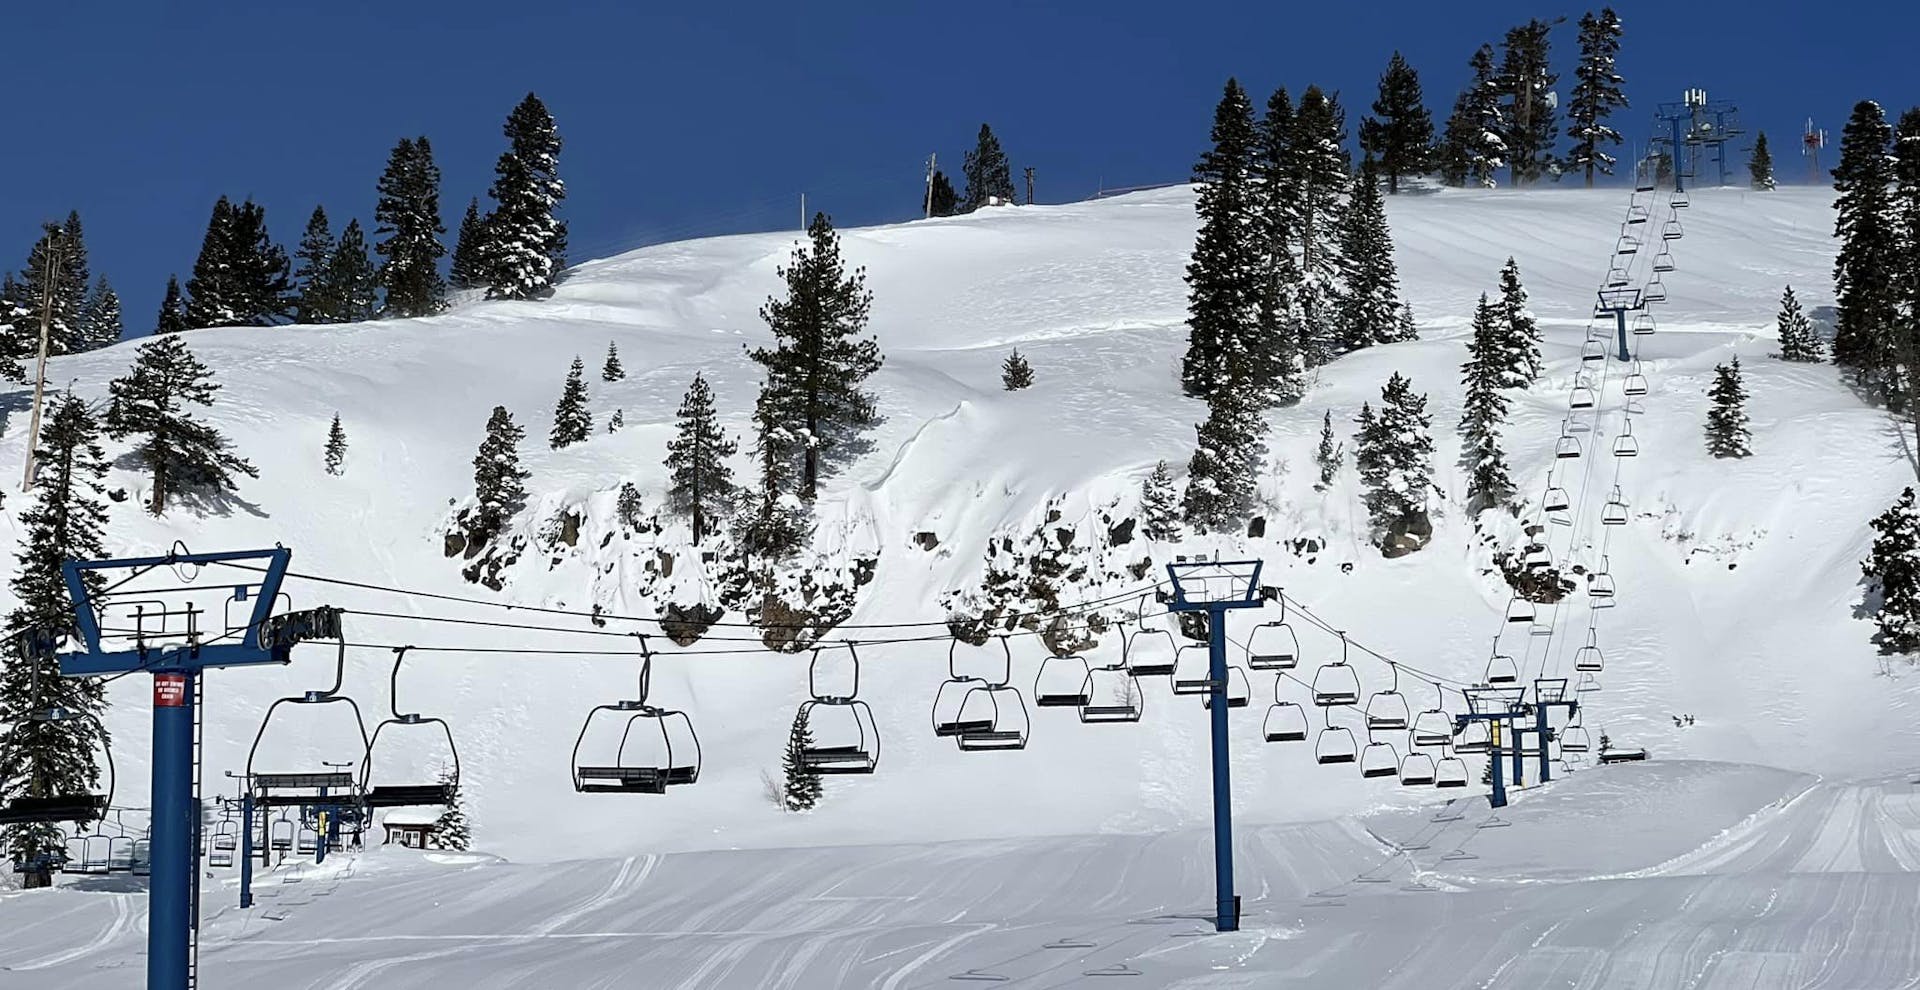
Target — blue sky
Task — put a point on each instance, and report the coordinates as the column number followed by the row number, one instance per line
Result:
column 690, row 119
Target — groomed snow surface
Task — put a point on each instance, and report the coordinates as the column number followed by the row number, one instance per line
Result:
column 1737, row 581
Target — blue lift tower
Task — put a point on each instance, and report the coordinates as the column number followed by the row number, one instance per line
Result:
column 1502, row 709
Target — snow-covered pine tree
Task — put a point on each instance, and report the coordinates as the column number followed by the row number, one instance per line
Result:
column 39, row 757
column 1280, row 328
column 1866, row 269
column 616, row 421
column 499, row 483
column 1892, row 572
column 1474, row 148
column 627, row 505
column 772, row 522
column 100, row 322
column 1485, row 410
column 47, row 286
column 1798, row 342
column 469, row 267
column 1228, row 262
column 1227, row 457
column 173, row 310
column 526, row 243
column 313, row 267
column 352, row 279
column 572, row 420
column 1522, row 362
column 1727, row 434
column 336, row 452
column 14, row 320
column 612, row 370
column 802, row 790
column 1906, row 231
column 1760, row 165
column 1015, row 373
column 259, row 274
column 944, row 202
column 1370, row 306
column 1317, row 181
column 1272, row 157
column 1400, row 132
column 700, row 483
column 1526, row 83
column 152, row 403
column 1596, row 95
column 1159, row 506
column 452, row 830
column 407, row 221
column 1394, row 452
column 1330, row 454
column 989, row 177
column 1404, row 327
column 820, row 359
column 75, row 280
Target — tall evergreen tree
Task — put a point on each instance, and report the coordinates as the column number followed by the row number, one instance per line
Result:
column 1522, row 334
column 1526, row 82
column 820, row 359
column 75, row 281
column 1370, row 312
column 943, row 201
column 469, row 268
column 989, row 177
column 452, row 830
column 572, row 420
column 1867, row 267
column 526, row 242
column 100, row 321
column 173, row 316
column 1798, row 342
column 499, row 483
column 1394, row 452
column 407, row 221
column 1905, row 208
column 1329, row 455
column 1596, row 95
column 1159, row 506
column 612, row 370
column 152, row 402
column 1892, row 571
column 1760, row 164
column 1227, row 457
column 353, row 282
column 259, row 275
column 52, row 287
column 213, row 300
column 1317, row 186
column 802, row 791
column 1474, row 148
column 1223, row 275
column 700, row 483
column 44, row 757
column 772, row 522
column 15, row 318
column 1015, row 373
column 312, row 271
column 1400, row 132
column 1727, row 434
column 1279, row 327
column 1485, row 409
column 336, row 452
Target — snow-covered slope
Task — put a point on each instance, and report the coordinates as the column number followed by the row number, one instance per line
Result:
column 1736, row 578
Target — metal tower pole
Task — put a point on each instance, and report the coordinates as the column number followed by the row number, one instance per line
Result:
column 1499, row 797
column 1519, row 756
column 1227, row 905
column 246, row 849
column 1544, row 733
column 1620, row 325
column 170, row 901
column 1679, row 157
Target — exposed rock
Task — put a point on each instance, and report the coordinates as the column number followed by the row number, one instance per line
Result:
column 685, row 624
column 926, row 539
column 1257, row 528
column 456, row 542
column 1121, row 534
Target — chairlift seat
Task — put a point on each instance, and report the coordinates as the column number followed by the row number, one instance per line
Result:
column 1150, row 652
column 1417, row 770
column 993, row 739
column 1075, row 699
column 57, row 808
column 959, row 727
column 621, row 780
column 1052, row 690
column 301, row 781
column 1379, row 760
column 1285, row 722
column 1432, row 728
column 408, row 795
column 1663, row 262
column 1109, row 713
column 1335, row 685
column 1273, row 646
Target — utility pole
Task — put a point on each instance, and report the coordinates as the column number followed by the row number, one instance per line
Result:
column 51, row 277
column 1029, row 171
column 931, row 160
column 803, row 211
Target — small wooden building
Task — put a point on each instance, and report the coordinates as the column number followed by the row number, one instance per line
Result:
column 413, row 830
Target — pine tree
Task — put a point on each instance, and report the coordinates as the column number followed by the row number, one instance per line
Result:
column 336, row 455
column 100, row 322
column 1526, row 83
column 469, row 269
column 211, row 299
column 451, row 830
column 1394, row 452
column 616, row 421
column 1892, row 571
column 173, row 310
column 75, row 281
column 700, row 484
column 1474, row 148
column 526, row 243
column 316, row 302
column 572, row 420
column 1015, row 373
column 1522, row 364
column 498, row 482
column 1400, row 133
column 612, row 371
column 1317, row 181
column 819, row 359
column 352, row 280
column 40, row 757
column 627, row 505
column 1798, row 342
column 1760, row 164
column 407, row 219
column 943, row 202
column 48, row 290
column 1224, row 274
column 1905, row 220
column 15, row 318
column 803, row 790
column 1370, row 311
column 1329, row 455
column 772, row 523
column 258, row 274
column 1159, row 506
column 989, row 177
column 1596, row 95
column 1280, row 328
column 1727, row 434
column 152, row 402
column 1226, row 459
column 1865, row 272
column 1485, row 409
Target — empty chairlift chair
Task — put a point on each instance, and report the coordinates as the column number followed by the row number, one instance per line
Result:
column 1600, row 586
column 1450, row 771
column 280, row 834
column 1625, row 445
column 1190, row 670
column 1002, row 710
column 142, row 865
column 1643, row 325
column 1574, row 739
column 1614, row 513
column 1594, row 351
column 284, row 788
column 1567, row 447
column 1588, row 659
column 1619, row 276
column 1663, row 260
column 1379, row 759
column 1239, row 690
column 1501, row 668
column 1520, row 612
column 1671, row 230
column 1273, row 645
column 1638, row 212
column 1416, row 769
column 1150, row 650
column 1336, row 683
column 1655, row 292
column 1061, row 682
column 1433, row 727
column 1536, row 557
column 226, row 839
column 1387, row 710
column 952, row 692
column 1113, row 695
column 846, row 739
column 1582, row 397
column 1475, row 737
column 1334, row 744
column 1557, row 506
column 657, row 747
column 1286, row 721
column 386, row 789
column 1680, row 200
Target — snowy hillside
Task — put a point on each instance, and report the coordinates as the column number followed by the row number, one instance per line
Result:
column 1736, row 578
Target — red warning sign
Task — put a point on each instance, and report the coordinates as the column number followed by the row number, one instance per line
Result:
column 169, row 690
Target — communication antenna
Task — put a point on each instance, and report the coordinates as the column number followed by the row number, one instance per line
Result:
column 1810, row 145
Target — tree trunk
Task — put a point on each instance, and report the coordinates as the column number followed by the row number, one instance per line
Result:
column 36, row 879
column 159, row 504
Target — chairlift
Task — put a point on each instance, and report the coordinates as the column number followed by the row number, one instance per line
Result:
column 1417, row 770
column 1588, row 684
column 1555, row 501
column 1663, row 261
column 1635, row 384
column 220, row 849
column 1643, row 324
column 1619, row 276
column 1149, row 652
column 330, row 696
column 1273, row 645
column 1061, row 682
column 410, row 793
column 1387, row 709
column 1536, row 557
column 1587, row 659
column 1519, row 611
column 1192, row 670
column 1581, row 398
column 1239, row 691
column 845, row 737
column 1450, row 771
column 142, row 861
column 665, row 750
column 1600, row 586
column 1638, row 212
column 1501, row 668
column 1004, row 712
column 1113, row 694
column 1567, row 446
column 1474, row 738
column 1379, row 759
column 1334, row 744
column 952, row 691
column 280, row 834
column 1574, row 739
column 120, row 854
column 78, row 807
column 308, row 842
column 1655, row 292
column 1285, row 721
column 1679, row 200
column 1593, row 351
column 1627, row 245
column 1671, row 230
column 1614, row 513
column 1335, row 683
